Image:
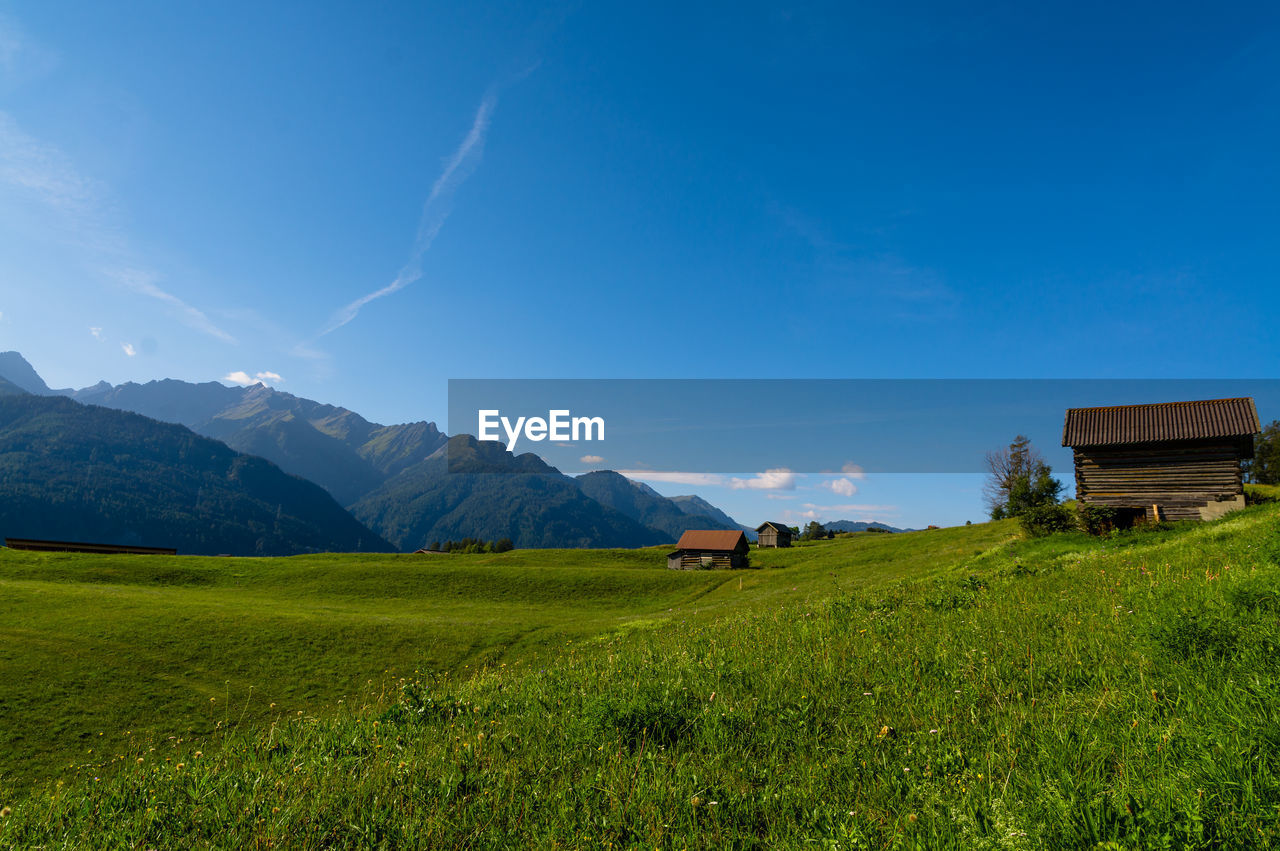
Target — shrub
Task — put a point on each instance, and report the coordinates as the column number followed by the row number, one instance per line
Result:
column 1095, row 519
column 1042, row 520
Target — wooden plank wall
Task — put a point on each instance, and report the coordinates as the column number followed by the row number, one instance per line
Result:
column 1180, row 478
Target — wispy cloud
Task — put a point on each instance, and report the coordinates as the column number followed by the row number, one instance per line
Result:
column 143, row 283
column 591, row 459
column 128, row 349
column 96, row 333
column 842, row 512
column 43, row 174
column 21, row 57
column 675, row 477
column 457, row 168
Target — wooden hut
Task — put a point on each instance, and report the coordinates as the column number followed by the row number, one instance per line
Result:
column 774, row 534
column 707, row 549
column 1167, row 461
column 82, row 547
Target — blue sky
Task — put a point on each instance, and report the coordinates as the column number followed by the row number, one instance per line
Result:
column 926, row 190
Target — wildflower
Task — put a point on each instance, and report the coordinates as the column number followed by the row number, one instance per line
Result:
column 140, row 760
column 911, row 817
column 4, row 812
column 179, row 766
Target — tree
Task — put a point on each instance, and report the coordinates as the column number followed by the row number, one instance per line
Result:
column 1264, row 467
column 814, row 531
column 1018, row 479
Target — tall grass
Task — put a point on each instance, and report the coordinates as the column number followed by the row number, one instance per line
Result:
column 1062, row 692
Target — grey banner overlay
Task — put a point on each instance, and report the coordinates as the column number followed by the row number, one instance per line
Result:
column 803, row 425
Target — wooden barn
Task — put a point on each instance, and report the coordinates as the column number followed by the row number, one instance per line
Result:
column 707, row 549
column 1167, row 461
column 774, row 534
column 81, row 547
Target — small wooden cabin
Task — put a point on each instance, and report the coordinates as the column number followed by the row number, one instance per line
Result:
column 1167, row 461
column 774, row 534
column 82, row 547
column 708, row 549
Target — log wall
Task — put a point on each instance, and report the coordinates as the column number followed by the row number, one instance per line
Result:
column 1191, row 480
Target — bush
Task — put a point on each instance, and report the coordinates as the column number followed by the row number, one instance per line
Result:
column 1095, row 519
column 1042, row 520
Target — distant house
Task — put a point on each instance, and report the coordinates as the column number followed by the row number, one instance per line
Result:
column 707, row 549
column 81, row 547
column 1167, row 461
column 774, row 534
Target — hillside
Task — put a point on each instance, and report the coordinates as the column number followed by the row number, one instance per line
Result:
column 78, row 472
column 645, row 505
column 950, row 688
column 490, row 494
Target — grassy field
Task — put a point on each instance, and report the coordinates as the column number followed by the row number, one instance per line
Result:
column 100, row 653
column 952, row 688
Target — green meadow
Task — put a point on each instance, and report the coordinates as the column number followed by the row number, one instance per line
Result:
column 963, row 687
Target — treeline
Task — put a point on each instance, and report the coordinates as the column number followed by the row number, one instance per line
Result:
column 473, row 545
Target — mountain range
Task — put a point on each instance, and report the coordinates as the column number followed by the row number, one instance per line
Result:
column 78, row 472
column 858, row 526
column 410, row 483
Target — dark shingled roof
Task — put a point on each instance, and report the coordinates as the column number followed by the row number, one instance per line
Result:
column 698, row 539
column 781, row 527
column 1164, row 421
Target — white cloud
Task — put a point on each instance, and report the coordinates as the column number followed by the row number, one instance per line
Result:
column 129, row 349
column 591, row 459
column 240, row 377
column 436, row 209
column 269, row 377
column 779, row 478
column 97, row 333
column 853, row 471
column 827, row 513
column 843, row 487
column 675, row 477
